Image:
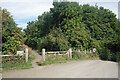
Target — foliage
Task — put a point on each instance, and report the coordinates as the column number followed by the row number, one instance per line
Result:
column 52, row 59
column 55, row 40
column 82, row 56
column 18, row 61
column 83, row 26
column 37, row 30
column 11, row 34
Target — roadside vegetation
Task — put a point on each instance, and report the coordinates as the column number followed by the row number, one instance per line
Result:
column 70, row 25
column 16, row 62
column 12, row 41
column 53, row 59
column 66, row 25
column 12, row 37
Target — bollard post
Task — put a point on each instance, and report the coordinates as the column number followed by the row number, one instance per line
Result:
column 43, row 54
column 26, row 54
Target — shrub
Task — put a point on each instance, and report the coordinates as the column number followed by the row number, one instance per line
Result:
column 13, row 59
column 118, row 56
column 55, row 40
column 77, row 55
column 104, row 53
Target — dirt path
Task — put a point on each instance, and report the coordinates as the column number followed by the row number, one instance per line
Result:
column 37, row 59
column 75, row 69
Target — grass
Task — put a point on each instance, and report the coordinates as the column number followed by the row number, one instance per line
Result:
column 20, row 65
column 52, row 59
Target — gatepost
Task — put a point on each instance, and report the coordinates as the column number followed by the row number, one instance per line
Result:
column 26, row 54
column 43, row 54
column 70, row 53
column 85, row 51
column 90, row 51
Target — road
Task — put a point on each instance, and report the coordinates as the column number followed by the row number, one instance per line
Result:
column 74, row 69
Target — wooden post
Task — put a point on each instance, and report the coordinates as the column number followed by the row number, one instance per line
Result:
column 26, row 54
column 85, row 51
column 90, row 52
column 43, row 54
column 78, row 50
column 70, row 53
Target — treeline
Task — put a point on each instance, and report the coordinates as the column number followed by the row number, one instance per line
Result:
column 69, row 24
column 12, row 37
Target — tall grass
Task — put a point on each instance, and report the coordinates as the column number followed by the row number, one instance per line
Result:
column 17, row 62
column 52, row 59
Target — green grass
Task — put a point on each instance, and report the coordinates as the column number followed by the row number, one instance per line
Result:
column 21, row 65
column 52, row 59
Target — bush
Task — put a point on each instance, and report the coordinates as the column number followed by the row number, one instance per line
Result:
column 76, row 55
column 104, row 53
column 13, row 59
column 54, row 41
column 118, row 56
column 82, row 56
column 11, row 35
column 16, row 62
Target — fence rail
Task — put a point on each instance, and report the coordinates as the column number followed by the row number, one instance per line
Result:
column 26, row 54
column 68, row 52
column 56, row 52
column 7, row 55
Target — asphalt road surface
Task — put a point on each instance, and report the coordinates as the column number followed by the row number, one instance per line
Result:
column 74, row 69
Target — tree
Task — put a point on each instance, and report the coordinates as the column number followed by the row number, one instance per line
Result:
column 84, row 26
column 11, row 34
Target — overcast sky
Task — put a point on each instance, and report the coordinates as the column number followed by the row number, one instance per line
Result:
column 24, row 11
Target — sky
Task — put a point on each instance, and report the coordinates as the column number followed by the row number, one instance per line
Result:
column 24, row 11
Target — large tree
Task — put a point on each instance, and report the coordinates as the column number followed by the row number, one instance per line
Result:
column 11, row 34
column 84, row 26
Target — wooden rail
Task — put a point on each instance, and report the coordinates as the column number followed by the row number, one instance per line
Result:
column 56, row 52
column 26, row 54
column 7, row 55
column 69, row 53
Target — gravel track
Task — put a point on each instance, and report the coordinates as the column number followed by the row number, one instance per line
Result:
column 74, row 69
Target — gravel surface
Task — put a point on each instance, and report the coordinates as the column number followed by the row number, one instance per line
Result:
column 74, row 69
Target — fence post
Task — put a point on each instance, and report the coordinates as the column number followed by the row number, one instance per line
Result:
column 90, row 52
column 26, row 54
column 85, row 51
column 70, row 53
column 43, row 54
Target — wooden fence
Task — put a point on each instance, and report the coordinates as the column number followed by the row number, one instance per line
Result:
column 84, row 51
column 69, row 53
column 20, row 54
column 56, row 52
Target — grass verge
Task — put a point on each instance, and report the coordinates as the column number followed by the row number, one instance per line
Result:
column 52, row 59
column 21, row 65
